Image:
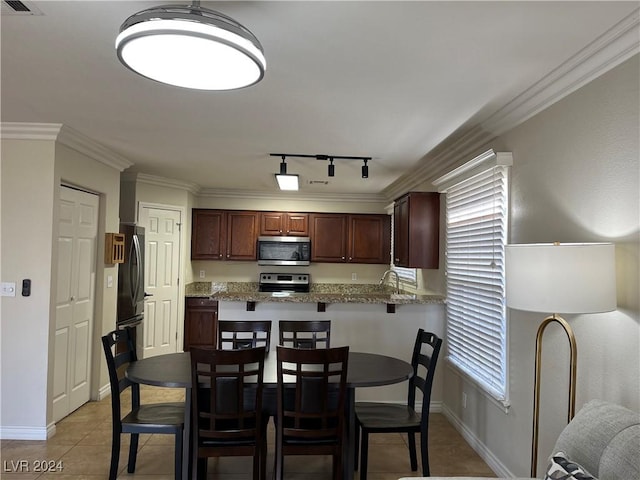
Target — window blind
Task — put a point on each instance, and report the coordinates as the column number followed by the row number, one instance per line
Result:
column 476, row 234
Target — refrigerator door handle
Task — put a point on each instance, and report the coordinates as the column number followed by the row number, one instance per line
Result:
column 138, row 265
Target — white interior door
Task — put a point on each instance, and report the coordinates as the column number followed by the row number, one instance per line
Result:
column 161, row 276
column 78, row 228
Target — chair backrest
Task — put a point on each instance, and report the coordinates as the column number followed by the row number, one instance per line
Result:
column 311, row 392
column 234, row 335
column 125, row 352
column 227, row 394
column 305, row 333
column 425, row 356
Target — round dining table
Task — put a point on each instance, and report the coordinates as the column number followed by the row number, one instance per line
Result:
column 364, row 370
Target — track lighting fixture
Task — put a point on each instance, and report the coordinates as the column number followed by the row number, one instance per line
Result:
column 331, row 168
column 286, row 181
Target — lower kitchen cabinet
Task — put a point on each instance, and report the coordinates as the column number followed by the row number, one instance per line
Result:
column 200, row 323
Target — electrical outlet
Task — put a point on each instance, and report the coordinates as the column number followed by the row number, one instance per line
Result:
column 354, row 276
column 202, row 274
column 464, row 400
column 8, row 289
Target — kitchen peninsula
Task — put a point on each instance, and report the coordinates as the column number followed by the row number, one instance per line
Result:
column 357, row 311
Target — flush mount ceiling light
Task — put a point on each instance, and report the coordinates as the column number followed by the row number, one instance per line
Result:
column 190, row 47
column 331, row 170
column 286, row 181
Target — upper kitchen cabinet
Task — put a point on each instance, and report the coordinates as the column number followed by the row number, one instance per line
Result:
column 224, row 235
column 343, row 238
column 284, row 223
column 208, row 234
column 369, row 239
column 416, row 218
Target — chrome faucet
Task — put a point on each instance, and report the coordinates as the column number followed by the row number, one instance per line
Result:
column 384, row 278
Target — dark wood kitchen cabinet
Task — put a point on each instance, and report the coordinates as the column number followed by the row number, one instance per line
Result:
column 369, row 239
column 416, row 236
column 345, row 238
column 208, row 234
column 223, row 234
column 200, row 323
column 328, row 234
column 284, row 223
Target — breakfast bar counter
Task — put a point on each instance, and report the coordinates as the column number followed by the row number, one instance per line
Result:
column 321, row 293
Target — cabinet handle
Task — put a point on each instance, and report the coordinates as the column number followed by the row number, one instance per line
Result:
column 342, row 258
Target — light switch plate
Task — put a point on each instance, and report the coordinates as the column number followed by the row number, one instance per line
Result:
column 8, row 289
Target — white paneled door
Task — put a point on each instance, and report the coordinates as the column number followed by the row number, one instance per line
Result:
column 161, row 277
column 77, row 230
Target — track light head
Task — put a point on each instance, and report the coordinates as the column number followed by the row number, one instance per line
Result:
column 365, row 169
column 283, row 167
column 332, row 168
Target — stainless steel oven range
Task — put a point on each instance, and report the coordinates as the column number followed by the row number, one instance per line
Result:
column 284, row 282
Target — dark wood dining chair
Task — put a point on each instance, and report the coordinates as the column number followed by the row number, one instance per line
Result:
column 167, row 418
column 374, row 417
column 236, row 334
column 227, row 407
column 311, row 404
column 305, row 333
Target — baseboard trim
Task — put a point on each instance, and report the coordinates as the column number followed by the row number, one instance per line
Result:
column 104, row 392
column 481, row 449
column 27, row 433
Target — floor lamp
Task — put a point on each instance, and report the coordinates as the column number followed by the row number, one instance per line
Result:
column 570, row 278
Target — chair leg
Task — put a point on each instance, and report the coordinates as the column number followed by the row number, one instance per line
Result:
column 202, row 468
column 178, row 456
column 263, row 459
column 279, row 460
column 412, row 451
column 424, row 453
column 356, row 449
column 115, row 455
column 256, row 463
column 364, row 454
column 133, row 452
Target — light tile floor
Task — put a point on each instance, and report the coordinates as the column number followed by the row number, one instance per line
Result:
column 82, row 449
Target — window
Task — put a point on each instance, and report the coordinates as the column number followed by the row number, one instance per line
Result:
column 476, row 234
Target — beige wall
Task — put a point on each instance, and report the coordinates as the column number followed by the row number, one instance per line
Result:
column 575, row 178
column 28, row 193
column 32, row 172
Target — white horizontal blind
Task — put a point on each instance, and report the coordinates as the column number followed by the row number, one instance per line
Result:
column 477, row 210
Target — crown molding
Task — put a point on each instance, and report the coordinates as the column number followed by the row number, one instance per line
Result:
column 609, row 50
column 158, row 181
column 67, row 136
column 268, row 195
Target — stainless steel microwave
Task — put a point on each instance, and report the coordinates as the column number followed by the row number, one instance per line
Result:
column 284, row 251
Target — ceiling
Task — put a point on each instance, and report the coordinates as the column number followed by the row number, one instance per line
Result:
column 389, row 80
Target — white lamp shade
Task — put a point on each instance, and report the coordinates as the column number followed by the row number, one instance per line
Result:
column 561, row 278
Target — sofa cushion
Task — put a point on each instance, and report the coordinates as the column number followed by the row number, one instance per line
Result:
column 604, row 438
column 562, row 468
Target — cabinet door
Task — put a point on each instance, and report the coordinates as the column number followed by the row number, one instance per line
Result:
column 401, row 232
column 417, row 230
column 282, row 223
column 208, row 234
column 369, row 239
column 297, row 224
column 200, row 323
column 328, row 235
column 272, row 223
column 242, row 235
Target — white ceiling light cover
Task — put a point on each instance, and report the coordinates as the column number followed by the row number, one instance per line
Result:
column 191, row 47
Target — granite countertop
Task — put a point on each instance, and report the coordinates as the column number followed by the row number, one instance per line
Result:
column 320, row 293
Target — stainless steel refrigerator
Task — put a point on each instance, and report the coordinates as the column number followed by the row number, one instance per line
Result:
column 131, row 293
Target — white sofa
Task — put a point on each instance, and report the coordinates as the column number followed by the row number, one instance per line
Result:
column 603, row 439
